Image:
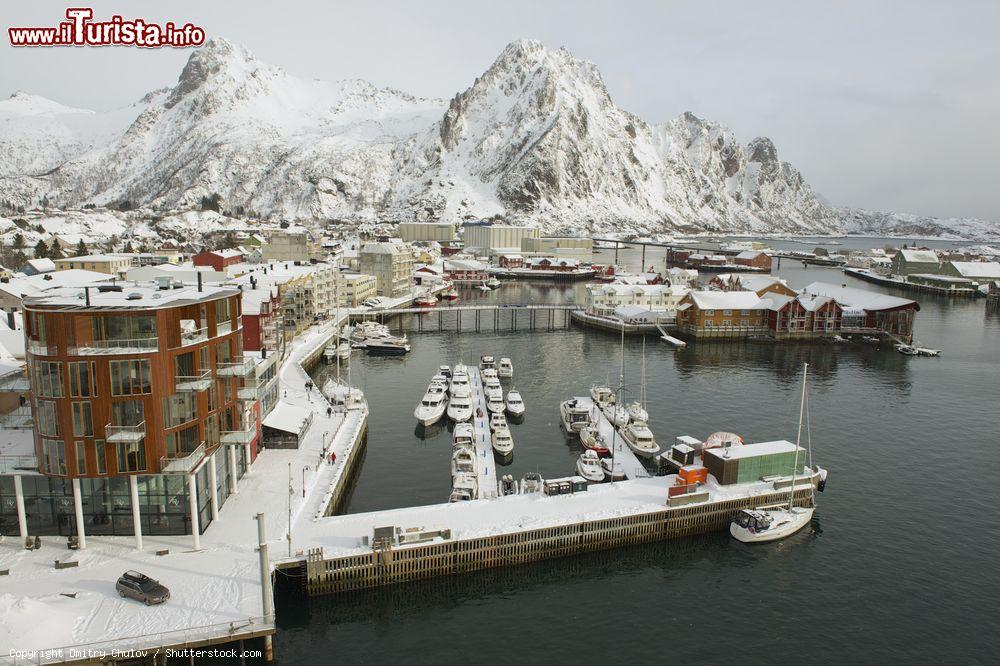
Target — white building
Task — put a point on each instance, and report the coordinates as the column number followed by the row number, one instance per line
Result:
column 605, row 299
column 492, row 239
column 391, row 262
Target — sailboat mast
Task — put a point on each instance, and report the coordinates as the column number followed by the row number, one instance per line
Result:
column 798, row 437
column 642, row 395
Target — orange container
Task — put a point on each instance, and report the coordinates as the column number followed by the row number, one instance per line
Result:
column 693, row 473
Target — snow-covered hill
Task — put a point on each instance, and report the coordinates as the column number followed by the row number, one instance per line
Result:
column 536, row 138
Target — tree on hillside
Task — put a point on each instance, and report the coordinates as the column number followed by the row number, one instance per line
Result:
column 18, row 241
column 128, row 247
column 81, row 248
column 55, row 252
column 41, row 249
column 211, row 202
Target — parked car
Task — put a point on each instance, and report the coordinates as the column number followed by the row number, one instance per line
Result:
column 141, row 588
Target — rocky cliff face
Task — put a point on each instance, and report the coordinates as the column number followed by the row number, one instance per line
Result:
column 536, row 138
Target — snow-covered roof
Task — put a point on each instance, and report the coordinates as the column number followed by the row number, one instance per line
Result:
column 384, row 247
column 977, row 269
column 759, row 282
column 726, row 300
column 754, row 450
column 464, row 265
column 142, row 296
column 94, row 258
column 749, row 254
column 920, row 256
column 227, row 254
column 858, row 298
column 43, row 265
column 288, row 418
column 31, row 285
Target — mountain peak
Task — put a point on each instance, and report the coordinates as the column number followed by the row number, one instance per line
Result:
column 26, row 104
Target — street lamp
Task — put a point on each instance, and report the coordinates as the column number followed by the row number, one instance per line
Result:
column 305, row 468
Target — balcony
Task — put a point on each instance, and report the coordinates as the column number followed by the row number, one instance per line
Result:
column 195, row 336
column 119, row 346
column 194, row 383
column 182, row 462
column 124, row 434
column 17, row 464
column 37, row 348
column 236, row 368
column 248, row 393
column 238, row 437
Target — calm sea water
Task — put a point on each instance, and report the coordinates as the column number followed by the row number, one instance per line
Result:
column 900, row 563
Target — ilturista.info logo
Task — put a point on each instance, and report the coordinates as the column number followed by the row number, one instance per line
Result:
column 80, row 29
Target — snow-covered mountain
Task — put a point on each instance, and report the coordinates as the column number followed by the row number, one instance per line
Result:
column 536, row 138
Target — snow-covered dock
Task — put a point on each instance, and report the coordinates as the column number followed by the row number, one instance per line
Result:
column 613, row 439
column 486, row 469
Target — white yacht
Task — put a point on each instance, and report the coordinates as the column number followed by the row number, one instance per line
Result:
column 637, row 413
column 459, row 384
column 515, row 405
column 463, row 487
column 640, row 439
column 438, row 387
column 486, row 362
column 489, row 373
column 588, row 465
column 506, row 368
column 460, row 406
column 495, row 404
column 431, row 408
column 343, row 349
column 613, row 471
column 444, row 370
column 439, row 379
column 464, row 436
column 497, row 421
column 492, row 388
column 617, row 414
column 503, row 443
column 463, row 461
column 574, row 415
column 602, row 395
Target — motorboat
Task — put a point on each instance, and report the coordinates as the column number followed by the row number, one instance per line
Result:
column 532, row 482
column 460, row 369
column 465, row 486
column 640, row 439
column 515, row 405
column 330, row 354
column 438, row 388
column 492, row 388
column 431, row 408
column 617, row 414
column 343, row 349
column 463, row 461
column 439, row 379
column 460, row 407
column 449, row 294
column 637, row 413
column 426, row 300
column 487, row 362
column 497, row 420
column 495, row 404
column 505, row 368
column 460, row 495
column 464, row 436
column 492, row 283
column 343, row 395
column 444, row 370
column 613, row 471
column 594, row 441
column 602, row 395
column 574, row 415
column 503, row 443
column 906, row 350
column 927, row 351
column 459, row 381
column 367, row 331
column 387, row 347
column 588, row 465
column 761, row 526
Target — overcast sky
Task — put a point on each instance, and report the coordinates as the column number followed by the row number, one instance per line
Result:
column 883, row 105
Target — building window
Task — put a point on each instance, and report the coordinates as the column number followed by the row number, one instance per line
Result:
column 709, row 313
column 727, row 313
column 131, row 457
column 179, row 409
column 102, row 462
column 120, row 328
column 130, row 377
column 83, row 423
column 82, row 379
column 181, row 443
column 744, row 312
column 54, row 451
column 744, row 322
column 81, row 458
column 48, row 379
column 48, row 417
column 727, row 322
column 127, row 412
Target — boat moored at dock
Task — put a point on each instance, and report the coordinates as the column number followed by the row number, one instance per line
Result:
column 640, row 439
column 515, row 404
column 588, row 465
column 574, row 416
column 505, row 369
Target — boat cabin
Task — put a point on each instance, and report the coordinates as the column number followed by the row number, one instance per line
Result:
column 754, row 521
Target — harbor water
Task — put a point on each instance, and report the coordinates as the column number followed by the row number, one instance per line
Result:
column 898, row 564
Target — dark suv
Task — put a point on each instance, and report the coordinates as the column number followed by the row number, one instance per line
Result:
column 142, row 588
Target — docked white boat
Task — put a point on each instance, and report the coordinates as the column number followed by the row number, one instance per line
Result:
column 459, row 384
column 602, row 395
column 640, row 439
column 431, row 408
column 444, row 370
column 617, row 414
column 439, row 379
column 515, row 405
column 906, row 350
column 503, row 443
column 463, row 461
column 495, row 404
column 588, row 465
column 761, row 526
column 463, row 487
column 637, row 413
column 532, row 482
column 497, row 421
column 464, row 436
column 330, row 354
column 484, row 287
column 506, row 368
column 927, row 351
column 438, row 387
column 593, row 440
column 574, row 415
column 492, row 388
column 460, row 407
column 613, row 471
column 343, row 349
column 486, row 362
column 387, row 346
column 493, row 283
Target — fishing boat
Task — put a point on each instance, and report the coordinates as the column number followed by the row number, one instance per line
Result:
column 426, row 300
column 602, row 395
column 506, row 368
column 640, row 439
column 464, row 436
column 594, row 441
column 574, row 415
column 387, row 347
column 515, row 405
column 460, row 406
column 763, row 525
column 617, row 414
column 463, row 461
column 637, row 410
column 503, row 443
column 497, row 421
column 613, row 471
column 588, row 465
column 431, row 408
column 495, row 404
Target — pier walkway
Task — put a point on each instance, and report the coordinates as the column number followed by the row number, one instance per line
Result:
column 486, row 469
column 623, row 455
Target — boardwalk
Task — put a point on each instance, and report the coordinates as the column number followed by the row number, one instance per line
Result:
column 486, row 469
column 623, row 455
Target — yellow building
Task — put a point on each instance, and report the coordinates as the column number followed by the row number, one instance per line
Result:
column 112, row 264
column 355, row 288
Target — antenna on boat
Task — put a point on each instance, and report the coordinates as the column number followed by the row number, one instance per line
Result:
column 798, row 437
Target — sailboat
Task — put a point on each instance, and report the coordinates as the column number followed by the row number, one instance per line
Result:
column 637, row 410
column 763, row 525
